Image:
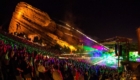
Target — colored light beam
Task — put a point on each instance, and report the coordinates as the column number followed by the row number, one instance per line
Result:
column 88, row 48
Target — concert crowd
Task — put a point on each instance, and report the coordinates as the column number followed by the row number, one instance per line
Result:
column 18, row 64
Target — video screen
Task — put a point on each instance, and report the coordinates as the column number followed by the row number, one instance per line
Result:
column 134, row 56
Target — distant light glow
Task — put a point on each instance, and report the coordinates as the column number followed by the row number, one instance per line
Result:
column 103, row 58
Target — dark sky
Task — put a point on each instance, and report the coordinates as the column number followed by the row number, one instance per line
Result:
column 96, row 18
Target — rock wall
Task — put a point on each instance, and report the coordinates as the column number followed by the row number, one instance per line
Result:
column 30, row 20
column 34, row 22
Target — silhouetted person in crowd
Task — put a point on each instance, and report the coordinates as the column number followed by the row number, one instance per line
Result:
column 12, row 65
column 57, row 73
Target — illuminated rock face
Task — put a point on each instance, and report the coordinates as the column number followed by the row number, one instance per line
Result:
column 36, row 23
column 30, row 20
column 33, row 22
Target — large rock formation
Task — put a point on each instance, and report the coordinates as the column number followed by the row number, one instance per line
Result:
column 35, row 23
column 27, row 18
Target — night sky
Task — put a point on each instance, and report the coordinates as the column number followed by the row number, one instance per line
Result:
column 99, row 19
